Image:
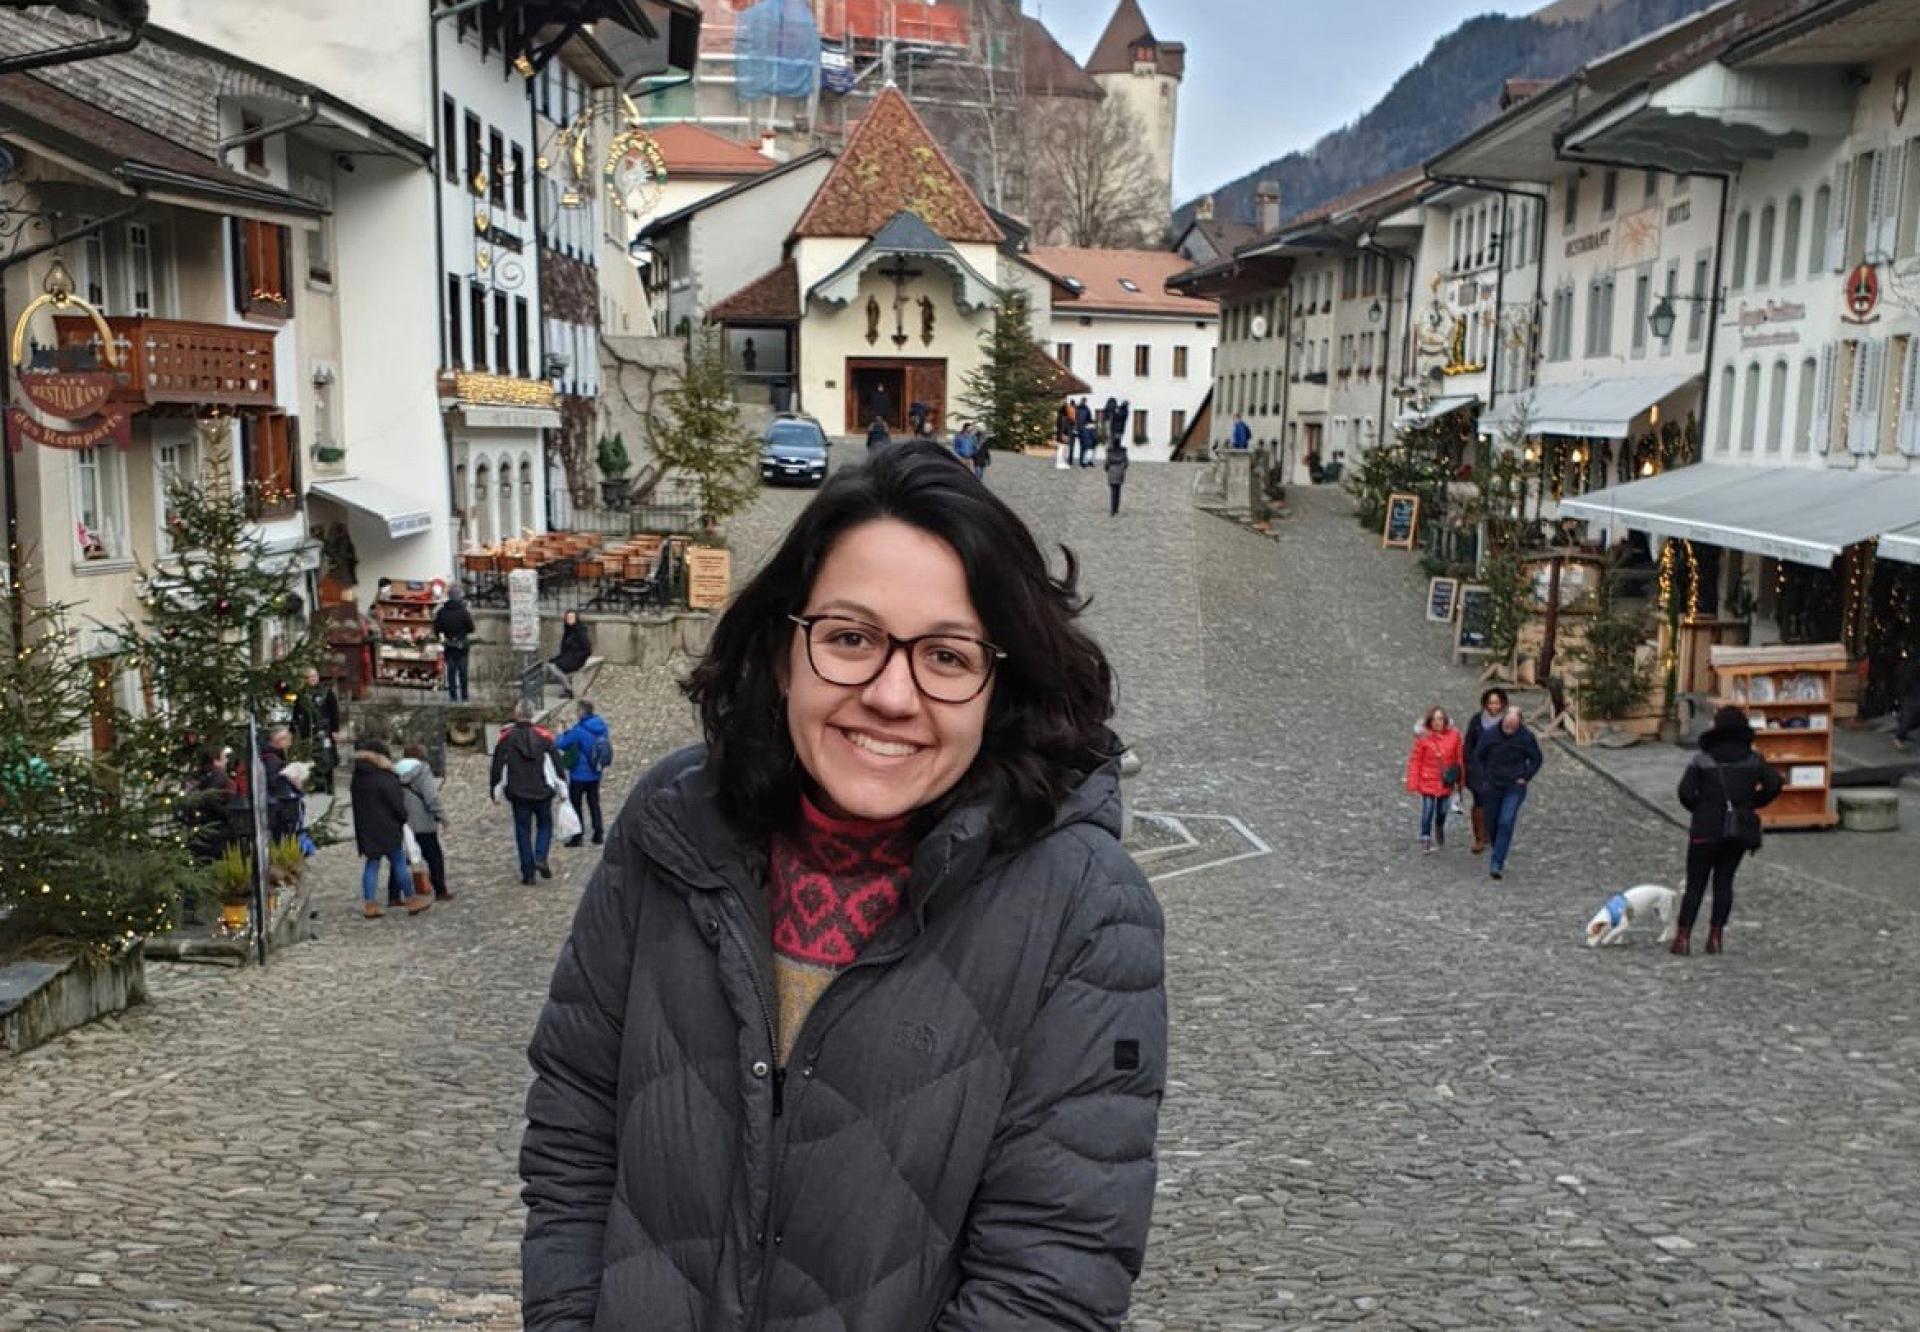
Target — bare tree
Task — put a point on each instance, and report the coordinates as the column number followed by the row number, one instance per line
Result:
column 1090, row 182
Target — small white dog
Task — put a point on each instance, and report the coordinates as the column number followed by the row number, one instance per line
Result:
column 1610, row 922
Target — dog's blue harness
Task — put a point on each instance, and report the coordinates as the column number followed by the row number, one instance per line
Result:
column 1618, row 909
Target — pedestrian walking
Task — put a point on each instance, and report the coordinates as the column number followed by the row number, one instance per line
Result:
column 1242, row 432
column 1509, row 758
column 1104, row 433
column 1083, row 432
column 1434, row 770
column 1493, row 706
column 425, row 815
column 1116, row 475
column 519, row 776
column 877, row 435
column 912, row 776
column 589, row 746
column 379, row 828
column 316, row 720
column 1906, row 719
column 1724, row 786
column 576, row 649
column 1122, row 413
column 453, row 622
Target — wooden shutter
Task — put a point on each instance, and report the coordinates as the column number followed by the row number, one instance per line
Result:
column 1908, row 438
column 242, row 289
column 1891, row 168
column 1837, row 213
column 1863, row 416
column 1820, row 428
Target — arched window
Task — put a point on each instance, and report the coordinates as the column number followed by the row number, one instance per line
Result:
column 1776, row 406
column 1750, row 412
column 1724, row 434
column 1790, row 241
column 482, row 508
column 1817, row 257
column 529, row 496
column 1763, row 251
column 509, row 529
column 1803, row 412
column 1742, row 242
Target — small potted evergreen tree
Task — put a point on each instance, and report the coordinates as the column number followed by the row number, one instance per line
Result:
column 611, row 454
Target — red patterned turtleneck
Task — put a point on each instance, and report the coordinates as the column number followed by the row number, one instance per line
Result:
column 835, row 883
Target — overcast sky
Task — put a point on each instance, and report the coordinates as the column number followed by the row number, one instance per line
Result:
column 1267, row 76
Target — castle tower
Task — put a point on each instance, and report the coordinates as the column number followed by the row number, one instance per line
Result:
column 1143, row 74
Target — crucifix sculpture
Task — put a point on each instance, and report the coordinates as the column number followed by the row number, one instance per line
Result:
column 900, row 274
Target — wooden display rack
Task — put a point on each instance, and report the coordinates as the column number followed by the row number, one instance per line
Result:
column 408, row 657
column 1788, row 692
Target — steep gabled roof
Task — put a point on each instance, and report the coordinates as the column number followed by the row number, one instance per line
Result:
column 1113, row 53
column 892, row 164
column 1047, row 68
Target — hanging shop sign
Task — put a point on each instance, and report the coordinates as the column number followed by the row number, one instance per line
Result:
column 1862, row 295
column 636, row 171
column 73, row 400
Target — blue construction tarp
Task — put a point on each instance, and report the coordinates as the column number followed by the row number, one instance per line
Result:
column 776, row 47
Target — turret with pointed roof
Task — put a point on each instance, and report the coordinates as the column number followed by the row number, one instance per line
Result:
column 1142, row 73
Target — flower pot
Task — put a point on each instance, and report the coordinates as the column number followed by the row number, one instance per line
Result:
column 614, row 493
column 233, row 917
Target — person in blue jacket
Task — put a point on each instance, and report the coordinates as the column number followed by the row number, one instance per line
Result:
column 1506, row 758
column 588, row 747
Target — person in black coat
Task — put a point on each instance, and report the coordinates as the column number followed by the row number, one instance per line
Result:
column 316, row 720
column 1493, row 706
column 203, row 810
column 1508, row 758
column 453, row 622
column 576, row 648
column 379, row 823
column 281, row 795
column 878, row 436
column 519, row 773
column 1723, row 786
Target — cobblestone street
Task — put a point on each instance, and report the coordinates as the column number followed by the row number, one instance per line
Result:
column 1402, row 1095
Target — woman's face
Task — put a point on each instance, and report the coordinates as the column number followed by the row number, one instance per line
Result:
column 1437, row 720
column 884, row 749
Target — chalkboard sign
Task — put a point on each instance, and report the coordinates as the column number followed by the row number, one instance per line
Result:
column 1403, row 520
column 1443, row 596
column 1474, row 637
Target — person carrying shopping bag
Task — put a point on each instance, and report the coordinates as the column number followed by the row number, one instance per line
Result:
column 1723, row 788
column 1434, row 769
column 519, row 775
column 379, row 828
column 588, row 749
column 425, row 816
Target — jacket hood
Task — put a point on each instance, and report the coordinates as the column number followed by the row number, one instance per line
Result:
column 372, row 760
column 594, row 725
column 1728, row 746
column 523, row 740
column 408, row 769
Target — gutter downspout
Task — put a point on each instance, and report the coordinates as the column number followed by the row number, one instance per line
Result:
column 1287, row 430
column 67, row 55
column 310, row 112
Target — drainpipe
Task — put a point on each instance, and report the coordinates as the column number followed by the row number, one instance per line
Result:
column 133, row 12
column 1286, row 370
column 308, row 113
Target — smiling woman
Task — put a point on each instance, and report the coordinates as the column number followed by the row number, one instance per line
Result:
column 893, row 872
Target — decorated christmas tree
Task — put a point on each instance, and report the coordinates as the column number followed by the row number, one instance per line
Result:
column 1015, row 390
column 699, row 437
column 90, row 852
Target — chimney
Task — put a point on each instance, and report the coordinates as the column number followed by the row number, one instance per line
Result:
column 769, row 148
column 1203, row 211
column 1267, row 198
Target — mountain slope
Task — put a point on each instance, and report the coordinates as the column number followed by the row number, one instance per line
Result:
column 1455, row 88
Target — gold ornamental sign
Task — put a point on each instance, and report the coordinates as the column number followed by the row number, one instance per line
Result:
column 77, row 398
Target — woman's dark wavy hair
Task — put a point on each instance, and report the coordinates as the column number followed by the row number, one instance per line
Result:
column 1047, row 719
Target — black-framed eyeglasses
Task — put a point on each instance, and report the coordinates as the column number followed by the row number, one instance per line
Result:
column 947, row 668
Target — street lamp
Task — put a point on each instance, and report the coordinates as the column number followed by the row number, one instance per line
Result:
column 1661, row 320
column 1374, row 311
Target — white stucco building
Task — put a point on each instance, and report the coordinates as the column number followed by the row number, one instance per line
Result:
column 1117, row 327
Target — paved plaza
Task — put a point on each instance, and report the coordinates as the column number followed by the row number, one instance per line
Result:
column 1401, row 1095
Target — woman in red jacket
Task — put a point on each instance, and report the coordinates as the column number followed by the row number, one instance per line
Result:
column 1433, row 770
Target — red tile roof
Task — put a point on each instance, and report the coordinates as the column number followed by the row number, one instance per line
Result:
column 891, row 164
column 1102, row 275
column 694, row 150
column 772, row 296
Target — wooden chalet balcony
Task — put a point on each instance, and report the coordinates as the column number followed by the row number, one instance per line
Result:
column 177, row 361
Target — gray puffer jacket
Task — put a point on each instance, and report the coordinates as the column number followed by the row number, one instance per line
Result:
column 963, row 1139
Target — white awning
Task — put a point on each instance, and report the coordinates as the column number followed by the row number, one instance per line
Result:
column 1804, row 514
column 1589, row 409
column 1903, row 545
column 1439, row 407
column 402, row 516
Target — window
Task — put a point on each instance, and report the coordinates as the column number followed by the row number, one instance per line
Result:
column 1609, row 192
column 496, row 168
column 269, row 464
column 1142, row 360
column 1723, row 434
column 100, row 506
column 1860, row 214
column 1803, row 411
column 1906, row 407
column 1458, row 223
column 1892, row 373
column 262, row 270
column 1177, row 426
column 477, row 306
column 1179, row 362
column 1790, row 241
column 1349, row 278
column 93, row 253
column 449, row 136
column 1571, row 204
column 139, row 268
column 1909, row 220
column 1742, row 242
column 474, row 167
column 456, row 341
column 1763, row 249
column 1697, row 308
column 1140, row 427
column 174, row 459
column 1817, row 257
column 1103, row 359
column 320, row 252
column 502, row 335
column 1776, row 406
column 1642, row 296
column 1650, row 192
column 1750, row 411
column 1063, row 353
column 520, row 182
column 1680, row 185
column 1369, row 274
column 254, row 153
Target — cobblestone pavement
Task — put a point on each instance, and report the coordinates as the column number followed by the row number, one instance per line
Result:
column 1402, row 1096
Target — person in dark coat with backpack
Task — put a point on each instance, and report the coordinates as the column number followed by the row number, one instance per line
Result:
column 1723, row 787
column 454, row 625
column 591, row 748
column 862, row 1022
column 379, row 827
column 1506, row 758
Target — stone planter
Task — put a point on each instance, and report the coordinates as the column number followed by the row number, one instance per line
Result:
column 41, row 998
column 614, row 493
